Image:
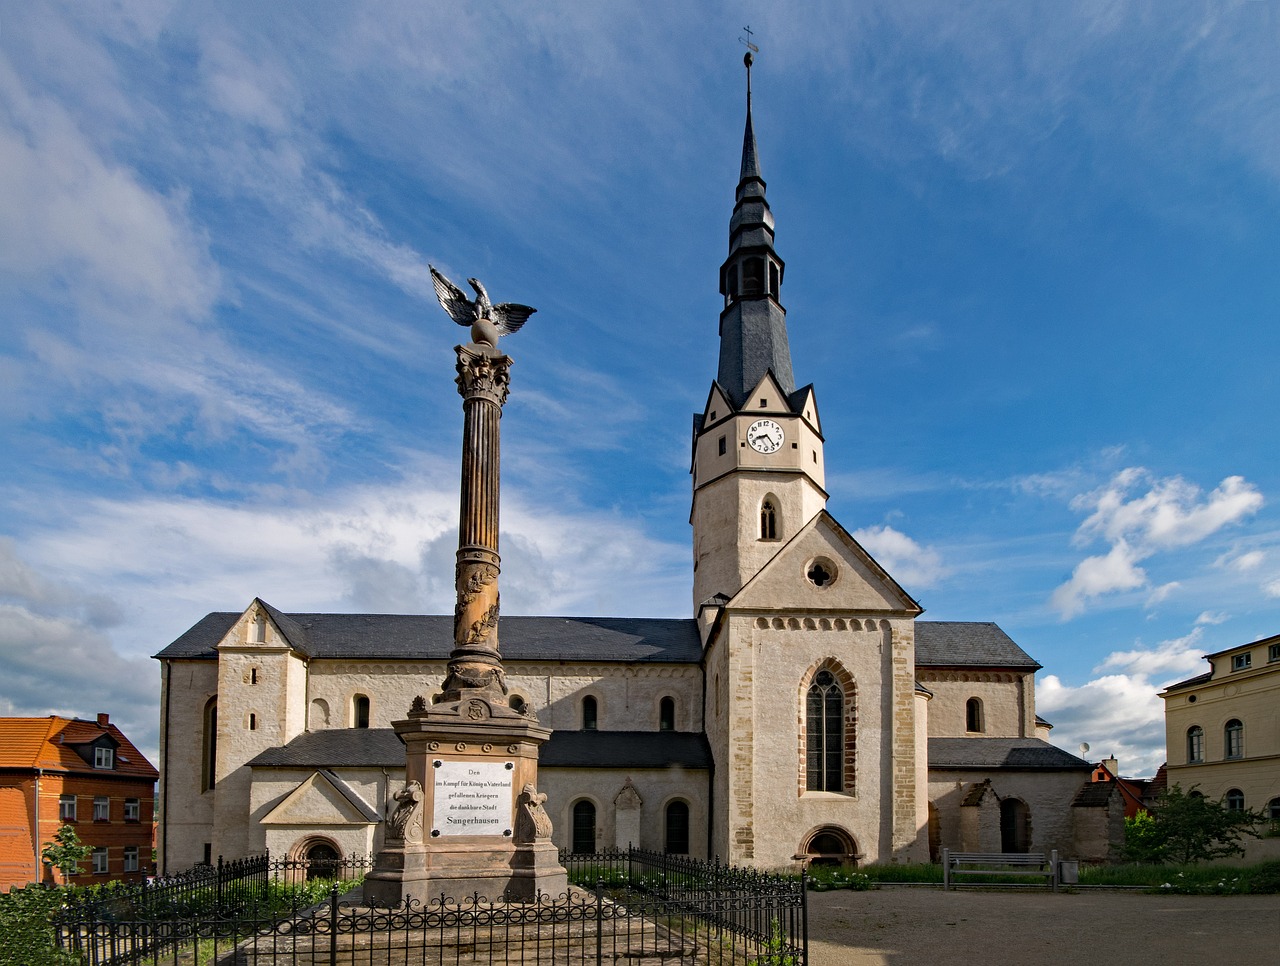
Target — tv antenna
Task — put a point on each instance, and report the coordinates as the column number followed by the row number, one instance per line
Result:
column 747, row 41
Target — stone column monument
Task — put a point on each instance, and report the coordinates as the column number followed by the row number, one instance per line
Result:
column 470, row 818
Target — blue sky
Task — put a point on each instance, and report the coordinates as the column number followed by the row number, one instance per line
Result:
column 1031, row 258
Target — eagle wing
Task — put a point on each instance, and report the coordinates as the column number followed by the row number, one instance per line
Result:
column 509, row 316
column 452, row 299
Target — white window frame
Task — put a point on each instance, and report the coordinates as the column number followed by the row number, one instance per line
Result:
column 1273, row 653
column 101, row 808
column 1242, row 662
column 104, row 757
column 133, row 810
column 101, row 859
column 130, row 858
column 66, row 808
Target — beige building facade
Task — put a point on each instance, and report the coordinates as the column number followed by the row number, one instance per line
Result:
column 1222, row 728
column 803, row 713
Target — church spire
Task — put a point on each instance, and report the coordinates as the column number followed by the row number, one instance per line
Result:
column 753, row 325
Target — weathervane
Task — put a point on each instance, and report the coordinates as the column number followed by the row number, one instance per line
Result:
column 747, row 40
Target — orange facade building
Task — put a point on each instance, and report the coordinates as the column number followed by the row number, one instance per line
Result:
column 65, row 771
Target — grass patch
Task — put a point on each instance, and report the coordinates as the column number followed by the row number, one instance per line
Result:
column 1260, row 879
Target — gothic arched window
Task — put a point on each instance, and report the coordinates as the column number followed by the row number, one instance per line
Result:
column 209, row 756
column 768, row 521
column 824, row 728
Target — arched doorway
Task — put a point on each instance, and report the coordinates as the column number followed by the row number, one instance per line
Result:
column 1015, row 825
column 322, row 861
column 830, row 845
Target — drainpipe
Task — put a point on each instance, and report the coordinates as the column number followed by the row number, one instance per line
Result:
column 35, row 825
column 164, row 773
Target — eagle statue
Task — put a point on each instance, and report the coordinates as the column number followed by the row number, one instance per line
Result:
column 488, row 322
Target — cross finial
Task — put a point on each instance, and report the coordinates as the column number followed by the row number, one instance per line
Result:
column 747, row 40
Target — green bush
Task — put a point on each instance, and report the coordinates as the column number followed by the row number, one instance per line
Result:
column 1261, row 879
column 824, row 877
column 28, row 935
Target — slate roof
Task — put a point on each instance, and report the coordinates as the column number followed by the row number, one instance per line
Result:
column 1189, row 682
column 382, row 748
column 968, row 644
column 50, row 743
column 1025, row 754
column 414, row 636
column 626, row 749
column 336, row 748
column 1094, row 795
column 588, row 639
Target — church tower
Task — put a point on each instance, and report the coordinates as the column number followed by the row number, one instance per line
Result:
column 757, row 445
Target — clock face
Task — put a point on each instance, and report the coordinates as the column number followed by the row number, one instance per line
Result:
column 765, row 436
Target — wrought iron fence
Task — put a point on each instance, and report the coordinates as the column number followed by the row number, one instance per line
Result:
column 641, row 907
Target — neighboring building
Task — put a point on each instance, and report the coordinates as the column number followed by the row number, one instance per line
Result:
column 1222, row 728
column 803, row 712
column 87, row 774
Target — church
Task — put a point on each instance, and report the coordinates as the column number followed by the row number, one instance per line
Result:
column 803, row 713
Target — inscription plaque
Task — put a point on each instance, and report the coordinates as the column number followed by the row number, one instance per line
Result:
column 472, row 798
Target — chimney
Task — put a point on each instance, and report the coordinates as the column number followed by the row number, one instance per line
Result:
column 1112, row 765
column 104, row 719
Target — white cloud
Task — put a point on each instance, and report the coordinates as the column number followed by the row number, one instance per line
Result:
column 911, row 564
column 1162, row 593
column 1170, row 514
column 1272, row 588
column 1119, row 712
column 1241, row 562
column 1210, row 618
column 1094, row 576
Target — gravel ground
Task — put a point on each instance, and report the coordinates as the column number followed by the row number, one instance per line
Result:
column 896, row 926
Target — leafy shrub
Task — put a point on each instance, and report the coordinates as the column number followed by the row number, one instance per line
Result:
column 24, row 924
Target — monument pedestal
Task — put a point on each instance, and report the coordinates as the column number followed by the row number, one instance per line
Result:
column 469, row 819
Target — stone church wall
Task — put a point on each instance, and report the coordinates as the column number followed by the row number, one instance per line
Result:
column 1048, row 796
column 656, row 787
column 187, row 687
column 1002, row 693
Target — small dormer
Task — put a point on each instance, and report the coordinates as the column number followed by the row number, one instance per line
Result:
column 101, row 751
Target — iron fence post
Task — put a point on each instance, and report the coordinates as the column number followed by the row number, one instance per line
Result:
column 333, row 925
column 599, row 921
column 804, row 917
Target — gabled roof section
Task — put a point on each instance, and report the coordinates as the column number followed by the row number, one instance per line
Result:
column 805, row 400
column 1006, row 754
column 861, row 584
column 768, row 396
column 719, row 407
column 51, row 743
column 968, row 644
column 323, row 799
column 408, row 637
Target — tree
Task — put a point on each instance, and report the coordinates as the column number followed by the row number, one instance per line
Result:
column 66, row 851
column 1186, row 827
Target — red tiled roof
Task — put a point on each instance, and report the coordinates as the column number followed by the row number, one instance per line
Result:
column 51, row 743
